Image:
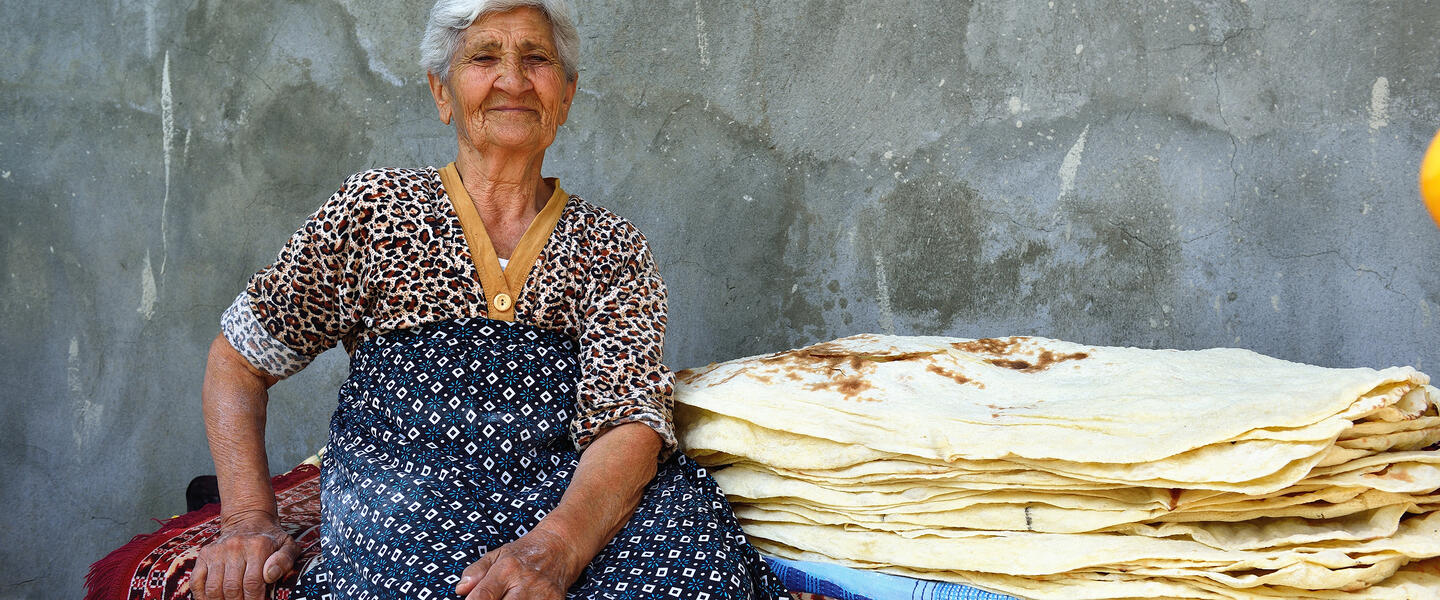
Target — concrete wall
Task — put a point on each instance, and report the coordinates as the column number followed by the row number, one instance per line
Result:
column 1163, row 174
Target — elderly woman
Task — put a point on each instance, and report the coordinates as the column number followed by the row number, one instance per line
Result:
column 505, row 430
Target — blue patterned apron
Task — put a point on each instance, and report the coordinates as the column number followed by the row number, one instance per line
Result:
column 451, row 439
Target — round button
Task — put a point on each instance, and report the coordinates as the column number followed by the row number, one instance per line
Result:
column 502, row 302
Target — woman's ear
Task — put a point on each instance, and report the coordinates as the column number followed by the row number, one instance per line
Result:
column 569, row 97
column 442, row 97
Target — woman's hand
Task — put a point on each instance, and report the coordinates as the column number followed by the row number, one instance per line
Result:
column 249, row 555
column 540, row 565
column 600, row 499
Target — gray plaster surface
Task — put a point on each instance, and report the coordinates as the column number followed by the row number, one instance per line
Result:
column 1179, row 174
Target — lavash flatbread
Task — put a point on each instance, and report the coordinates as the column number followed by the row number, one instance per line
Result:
column 1024, row 553
column 1047, row 469
column 1033, row 397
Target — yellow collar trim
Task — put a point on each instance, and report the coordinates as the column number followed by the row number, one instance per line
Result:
column 501, row 287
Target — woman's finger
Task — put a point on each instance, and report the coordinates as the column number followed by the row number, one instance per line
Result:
column 213, row 580
column 197, row 578
column 252, row 582
column 233, row 587
column 491, row 587
column 475, row 572
column 282, row 561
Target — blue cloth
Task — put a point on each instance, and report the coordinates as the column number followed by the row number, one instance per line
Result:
column 451, row 440
column 845, row 583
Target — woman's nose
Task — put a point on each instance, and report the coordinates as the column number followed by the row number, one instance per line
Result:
column 510, row 75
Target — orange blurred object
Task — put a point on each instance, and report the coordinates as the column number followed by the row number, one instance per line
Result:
column 1430, row 179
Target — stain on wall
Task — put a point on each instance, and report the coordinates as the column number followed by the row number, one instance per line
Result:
column 1180, row 174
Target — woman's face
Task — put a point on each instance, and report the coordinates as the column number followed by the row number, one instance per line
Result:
column 507, row 87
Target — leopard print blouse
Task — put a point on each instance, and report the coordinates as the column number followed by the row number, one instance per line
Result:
column 388, row 252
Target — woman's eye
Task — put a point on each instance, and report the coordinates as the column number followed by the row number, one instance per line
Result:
column 485, row 59
column 537, row 59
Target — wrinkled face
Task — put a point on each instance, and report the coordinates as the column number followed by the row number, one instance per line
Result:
column 507, row 88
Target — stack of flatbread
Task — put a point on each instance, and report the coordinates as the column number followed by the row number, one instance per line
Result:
column 1046, row 469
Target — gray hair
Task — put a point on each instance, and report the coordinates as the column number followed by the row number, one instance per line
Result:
column 450, row 17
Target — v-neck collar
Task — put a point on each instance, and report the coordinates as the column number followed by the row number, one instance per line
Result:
column 501, row 286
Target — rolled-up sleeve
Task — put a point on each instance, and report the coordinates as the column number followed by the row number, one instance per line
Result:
column 622, row 378
column 308, row 299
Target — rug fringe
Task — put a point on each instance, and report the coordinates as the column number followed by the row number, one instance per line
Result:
column 108, row 578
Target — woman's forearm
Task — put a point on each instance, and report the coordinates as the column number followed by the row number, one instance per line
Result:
column 234, row 397
column 252, row 550
column 606, row 489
